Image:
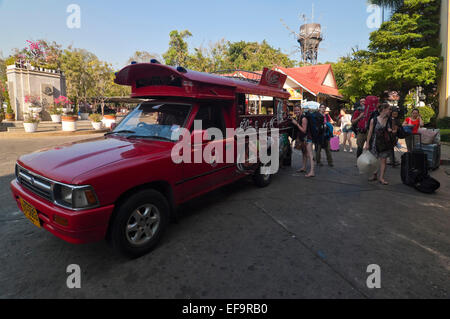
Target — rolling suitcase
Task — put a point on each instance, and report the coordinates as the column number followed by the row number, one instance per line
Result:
column 433, row 152
column 335, row 144
column 406, row 169
column 414, row 167
column 420, row 161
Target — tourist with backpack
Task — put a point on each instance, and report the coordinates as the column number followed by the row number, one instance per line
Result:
column 323, row 140
column 361, row 118
column 304, row 140
column 361, row 136
column 380, row 140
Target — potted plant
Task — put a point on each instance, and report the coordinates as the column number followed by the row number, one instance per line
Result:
column 55, row 113
column 108, row 120
column 70, row 117
column 35, row 104
column 10, row 116
column 96, row 121
column 63, row 103
column 84, row 112
column 69, row 122
column 30, row 122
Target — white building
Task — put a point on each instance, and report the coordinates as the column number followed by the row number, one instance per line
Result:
column 444, row 83
column 30, row 81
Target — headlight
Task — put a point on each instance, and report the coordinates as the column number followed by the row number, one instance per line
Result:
column 65, row 195
column 75, row 197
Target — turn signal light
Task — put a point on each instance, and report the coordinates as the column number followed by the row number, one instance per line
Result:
column 60, row 220
column 90, row 196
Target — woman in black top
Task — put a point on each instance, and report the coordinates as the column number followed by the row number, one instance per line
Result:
column 303, row 140
column 379, row 140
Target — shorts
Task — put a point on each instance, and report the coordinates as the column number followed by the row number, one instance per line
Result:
column 347, row 129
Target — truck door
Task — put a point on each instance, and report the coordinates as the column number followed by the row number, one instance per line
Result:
column 211, row 172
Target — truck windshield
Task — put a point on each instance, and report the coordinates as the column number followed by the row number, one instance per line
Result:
column 155, row 120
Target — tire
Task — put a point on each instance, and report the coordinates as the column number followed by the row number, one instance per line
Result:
column 139, row 223
column 287, row 161
column 261, row 180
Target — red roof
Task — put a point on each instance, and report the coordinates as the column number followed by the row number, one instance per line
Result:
column 313, row 78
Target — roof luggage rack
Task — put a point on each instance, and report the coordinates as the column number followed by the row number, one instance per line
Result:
column 249, row 76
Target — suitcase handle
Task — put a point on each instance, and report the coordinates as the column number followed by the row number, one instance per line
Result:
column 416, row 141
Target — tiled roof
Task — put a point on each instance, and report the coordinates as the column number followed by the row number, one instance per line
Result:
column 312, row 78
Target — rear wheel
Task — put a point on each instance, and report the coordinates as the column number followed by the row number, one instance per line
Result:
column 287, row 161
column 139, row 223
column 262, row 180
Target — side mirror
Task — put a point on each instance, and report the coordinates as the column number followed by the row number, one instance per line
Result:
column 199, row 137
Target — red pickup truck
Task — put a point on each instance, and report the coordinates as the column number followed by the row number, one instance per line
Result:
column 125, row 186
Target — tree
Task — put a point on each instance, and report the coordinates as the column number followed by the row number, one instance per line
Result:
column 178, row 52
column 4, row 96
column 102, row 77
column 76, row 64
column 251, row 56
column 200, row 61
column 406, row 48
column 254, row 56
column 403, row 53
column 40, row 53
column 143, row 57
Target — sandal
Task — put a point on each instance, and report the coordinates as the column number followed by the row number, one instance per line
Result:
column 373, row 179
column 384, row 183
column 310, row 176
column 301, row 171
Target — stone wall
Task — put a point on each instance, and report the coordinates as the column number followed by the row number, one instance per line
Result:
column 27, row 80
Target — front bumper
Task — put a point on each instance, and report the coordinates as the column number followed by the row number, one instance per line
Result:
column 83, row 226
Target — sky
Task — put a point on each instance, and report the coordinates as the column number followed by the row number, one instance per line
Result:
column 113, row 30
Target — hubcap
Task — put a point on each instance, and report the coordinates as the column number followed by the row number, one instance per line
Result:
column 266, row 177
column 143, row 224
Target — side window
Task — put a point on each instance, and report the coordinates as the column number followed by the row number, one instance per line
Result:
column 211, row 117
column 260, row 105
column 241, row 103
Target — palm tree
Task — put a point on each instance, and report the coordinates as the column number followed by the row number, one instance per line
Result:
column 392, row 4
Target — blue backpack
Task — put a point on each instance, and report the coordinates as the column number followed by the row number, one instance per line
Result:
column 329, row 134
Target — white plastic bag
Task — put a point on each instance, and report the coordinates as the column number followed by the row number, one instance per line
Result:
column 367, row 163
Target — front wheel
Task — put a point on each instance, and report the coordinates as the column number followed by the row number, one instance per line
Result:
column 139, row 223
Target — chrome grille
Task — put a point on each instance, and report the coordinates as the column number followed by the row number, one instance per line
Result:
column 35, row 183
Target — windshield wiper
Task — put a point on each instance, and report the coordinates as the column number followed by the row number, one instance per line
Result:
column 150, row 137
column 119, row 132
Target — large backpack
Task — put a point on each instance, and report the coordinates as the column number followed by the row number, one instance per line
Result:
column 370, row 108
column 316, row 126
column 427, row 185
column 414, row 172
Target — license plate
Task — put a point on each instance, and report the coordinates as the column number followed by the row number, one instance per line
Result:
column 30, row 212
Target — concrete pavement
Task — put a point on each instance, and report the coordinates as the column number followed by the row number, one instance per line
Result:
column 298, row 238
